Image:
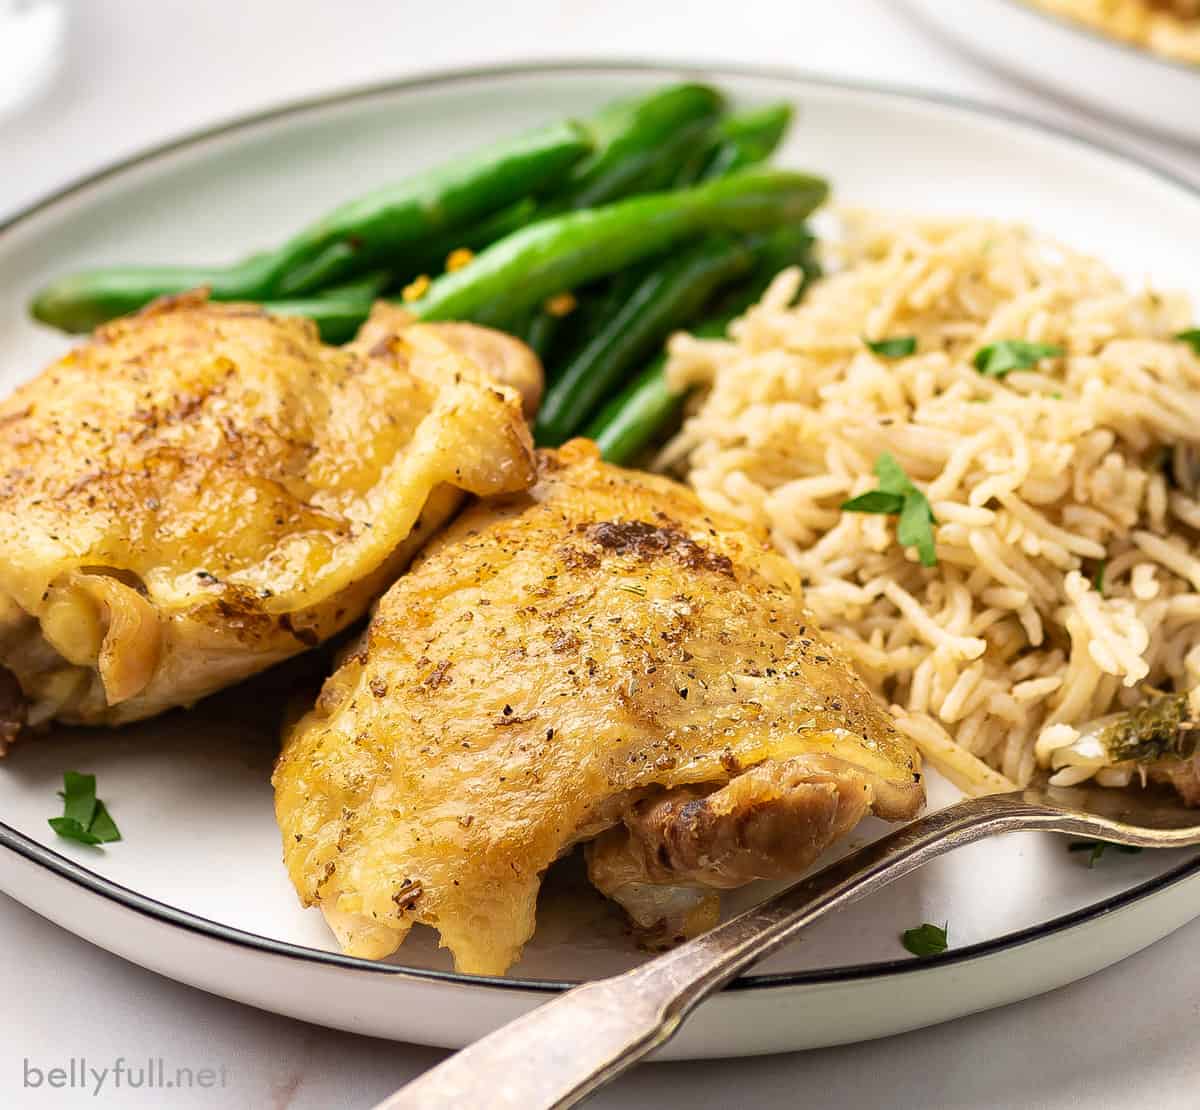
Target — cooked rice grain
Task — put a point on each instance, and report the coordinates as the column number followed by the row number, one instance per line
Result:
column 1037, row 480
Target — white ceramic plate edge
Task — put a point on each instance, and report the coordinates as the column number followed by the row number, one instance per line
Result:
column 753, row 1017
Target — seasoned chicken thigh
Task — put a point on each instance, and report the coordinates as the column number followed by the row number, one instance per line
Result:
column 598, row 660
column 204, row 489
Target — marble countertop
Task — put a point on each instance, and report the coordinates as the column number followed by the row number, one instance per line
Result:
column 136, row 73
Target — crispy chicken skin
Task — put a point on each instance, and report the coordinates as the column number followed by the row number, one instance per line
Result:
column 504, row 359
column 204, row 489
column 1183, row 9
column 596, row 658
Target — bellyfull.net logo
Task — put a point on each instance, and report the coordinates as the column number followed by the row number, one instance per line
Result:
column 152, row 1073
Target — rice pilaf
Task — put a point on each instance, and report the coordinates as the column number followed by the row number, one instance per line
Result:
column 1064, row 494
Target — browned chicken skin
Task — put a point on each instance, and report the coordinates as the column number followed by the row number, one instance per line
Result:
column 389, row 332
column 601, row 658
column 1184, row 9
column 204, row 489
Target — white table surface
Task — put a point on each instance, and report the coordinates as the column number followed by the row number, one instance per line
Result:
column 138, row 72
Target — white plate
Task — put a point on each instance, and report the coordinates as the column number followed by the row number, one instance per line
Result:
column 1075, row 61
column 196, row 890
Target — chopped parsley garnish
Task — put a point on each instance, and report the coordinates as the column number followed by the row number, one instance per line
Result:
column 897, row 495
column 1191, row 337
column 1151, row 730
column 1098, row 577
column 999, row 359
column 927, row 940
column 85, row 818
column 1097, row 848
column 899, row 346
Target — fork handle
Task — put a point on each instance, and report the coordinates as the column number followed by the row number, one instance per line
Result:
column 556, row 1055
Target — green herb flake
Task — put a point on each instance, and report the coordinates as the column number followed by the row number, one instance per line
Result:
column 892, row 478
column 85, row 818
column 103, row 827
column 1098, row 577
column 927, row 940
column 897, row 496
column 915, row 528
column 79, row 797
column 997, row 360
column 1097, row 848
column 1191, row 337
column 899, row 346
column 875, row 501
column 1151, row 730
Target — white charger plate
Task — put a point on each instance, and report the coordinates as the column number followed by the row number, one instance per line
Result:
column 1075, row 61
column 196, row 890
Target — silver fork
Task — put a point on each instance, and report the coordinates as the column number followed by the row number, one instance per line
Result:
column 561, row 1052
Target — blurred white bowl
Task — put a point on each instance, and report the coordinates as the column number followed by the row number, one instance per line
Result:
column 1074, row 61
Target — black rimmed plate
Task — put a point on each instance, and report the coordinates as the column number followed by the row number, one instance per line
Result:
column 196, row 890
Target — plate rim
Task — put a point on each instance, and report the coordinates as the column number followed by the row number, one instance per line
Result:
column 163, row 913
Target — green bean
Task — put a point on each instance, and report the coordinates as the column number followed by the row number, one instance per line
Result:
column 556, row 335
column 745, row 139
column 337, row 317
column 369, row 285
column 540, row 333
column 78, row 302
column 386, row 224
column 355, row 238
column 641, row 146
column 433, row 257
column 663, row 300
column 565, row 252
column 773, row 252
column 636, row 416
column 640, row 414
column 736, row 141
column 491, row 228
column 633, row 137
column 333, row 265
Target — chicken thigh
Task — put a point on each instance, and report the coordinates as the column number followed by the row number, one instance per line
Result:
column 600, row 660
column 204, row 489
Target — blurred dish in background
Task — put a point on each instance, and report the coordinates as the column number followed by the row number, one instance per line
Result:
column 1168, row 27
column 1111, row 55
column 32, row 44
